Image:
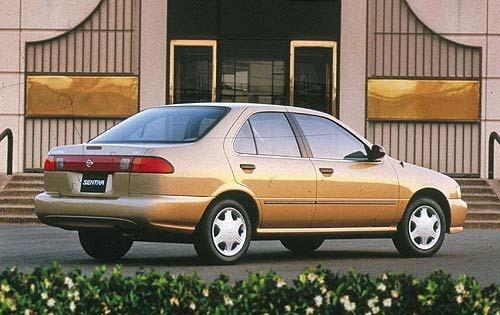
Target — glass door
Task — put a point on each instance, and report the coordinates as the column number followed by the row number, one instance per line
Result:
column 313, row 67
column 192, row 71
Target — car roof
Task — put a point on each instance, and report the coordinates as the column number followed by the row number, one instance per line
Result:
column 255, row 106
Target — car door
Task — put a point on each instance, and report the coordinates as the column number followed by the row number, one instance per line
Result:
column 351, row 191
column 266, row 158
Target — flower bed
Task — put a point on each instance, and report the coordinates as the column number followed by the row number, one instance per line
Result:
column 314, row 291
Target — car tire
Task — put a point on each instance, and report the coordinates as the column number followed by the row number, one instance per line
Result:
column 421, row 231
column 104, row 245
column 223, row 234
column 302, row 246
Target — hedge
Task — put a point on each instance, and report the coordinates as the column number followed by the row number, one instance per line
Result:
column 315, row 291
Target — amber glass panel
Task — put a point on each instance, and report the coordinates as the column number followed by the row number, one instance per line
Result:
column 423, row 100
column 82, row 96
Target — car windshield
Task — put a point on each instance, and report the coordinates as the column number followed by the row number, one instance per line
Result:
column 168, row 124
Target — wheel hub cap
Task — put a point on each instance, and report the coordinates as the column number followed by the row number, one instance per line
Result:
column 424, row 227
column 229, row 231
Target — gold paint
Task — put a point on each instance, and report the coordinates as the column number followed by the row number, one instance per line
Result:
column 319, row 44
column 420, row 100
column 333, row 231
column 82, row 96
column 458, row 229
column 292, row 195
column 195, row 43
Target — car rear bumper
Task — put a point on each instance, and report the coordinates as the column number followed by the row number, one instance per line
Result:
column 458, row 213
column 178, row 214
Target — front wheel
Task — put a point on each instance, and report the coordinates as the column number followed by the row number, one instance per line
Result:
column 302, row 246
column 421, row 230
column 104, row 245
column 223, row 235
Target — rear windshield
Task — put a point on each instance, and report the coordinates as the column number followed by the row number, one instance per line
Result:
column 174, row 124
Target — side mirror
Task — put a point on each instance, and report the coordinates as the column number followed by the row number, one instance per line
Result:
column 376, row 153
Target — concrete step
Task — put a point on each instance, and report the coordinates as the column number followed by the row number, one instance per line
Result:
column 16, row 210
column 483, row 205
column 23, row 177
column 471, row 198
column 471, row 182
column 482, row 224
column 22, row 185
column 477, row 190
column 19, row 219
column 487, row 215
column 27, row 192
column 17, row 200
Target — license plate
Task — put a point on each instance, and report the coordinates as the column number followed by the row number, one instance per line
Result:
column 94, row 182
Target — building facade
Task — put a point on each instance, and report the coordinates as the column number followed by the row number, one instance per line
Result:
column 418, row 77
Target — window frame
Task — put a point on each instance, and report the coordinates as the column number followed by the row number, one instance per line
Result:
column 307, row 145
column 191, row 43
column 291, row 122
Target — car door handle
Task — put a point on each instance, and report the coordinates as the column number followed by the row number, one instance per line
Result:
column 247, row 167
column 326, row 170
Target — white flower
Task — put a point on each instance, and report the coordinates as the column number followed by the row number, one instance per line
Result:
column 350, row 307
column 205, row 292
column 344, row 299
column 72, row 306
column 381, row 287
column 309, row 310
column 460, row 288
column 192, row 306
column 44, row 296
column 69, row 282
column 318, row 300
column 76, row 294
column 323, row 290
column 228, row 301
column 311, row 277
column 368, row 313
column 387, row 302
column 460, row 299
column 5, row 288
column 288, row 308
column 32, row 287
column 394, row 294
column 384, row 276
column 280, row 283
column 174, row 301
column 51, row 302
column 375, row 310
column 372, row 302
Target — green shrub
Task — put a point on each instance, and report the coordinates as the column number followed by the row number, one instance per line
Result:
column 314, row 291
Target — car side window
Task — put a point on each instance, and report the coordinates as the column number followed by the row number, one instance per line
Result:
column 244, row 141
column 273, row 135
column 328, row 140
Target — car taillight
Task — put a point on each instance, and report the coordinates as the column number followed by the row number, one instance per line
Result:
column 107, row 164
column 150, row 164
column 50, row 164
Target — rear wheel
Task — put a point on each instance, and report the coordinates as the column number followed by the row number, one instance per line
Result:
column 421, row 230
column 302, row 245
column 104, row 245
column 224, row 233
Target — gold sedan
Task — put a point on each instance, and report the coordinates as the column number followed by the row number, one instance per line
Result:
column 219, row 175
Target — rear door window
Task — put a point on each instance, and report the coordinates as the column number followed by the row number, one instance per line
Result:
column 244, row 142
column 273, row 135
